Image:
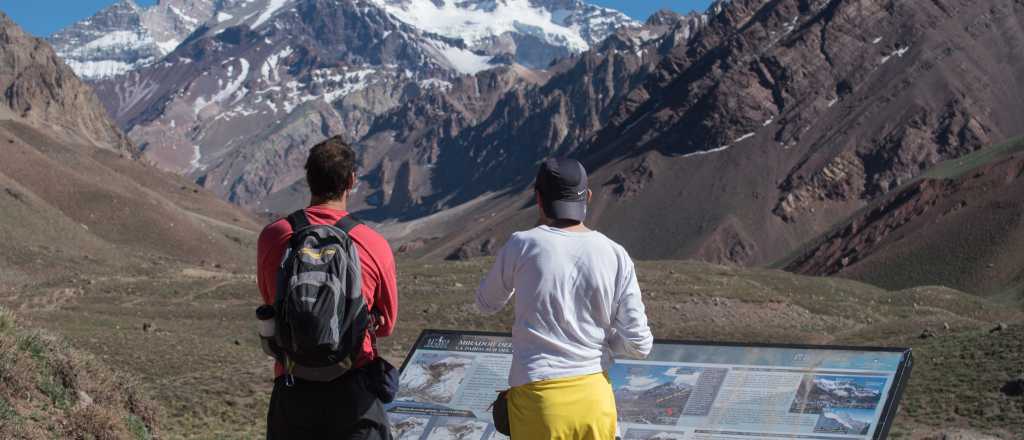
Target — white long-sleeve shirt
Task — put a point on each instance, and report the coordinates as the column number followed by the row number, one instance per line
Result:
column 577, row 303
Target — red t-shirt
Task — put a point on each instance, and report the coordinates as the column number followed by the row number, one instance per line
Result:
column 375, row 257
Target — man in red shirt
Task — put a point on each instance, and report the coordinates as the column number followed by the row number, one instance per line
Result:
column 343, row 408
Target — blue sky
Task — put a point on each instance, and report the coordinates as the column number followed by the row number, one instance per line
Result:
column 43, row 17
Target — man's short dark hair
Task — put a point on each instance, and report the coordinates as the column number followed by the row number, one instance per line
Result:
column 328, row 168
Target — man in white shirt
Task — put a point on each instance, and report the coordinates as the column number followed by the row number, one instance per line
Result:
column 577, row 304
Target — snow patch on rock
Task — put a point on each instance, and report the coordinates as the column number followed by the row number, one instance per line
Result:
column 98, row 69
column 272, row 7
column 227, row 91
column 463, row 60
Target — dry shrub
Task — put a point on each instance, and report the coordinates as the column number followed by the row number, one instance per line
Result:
column 41, row 378
column 97, row 423
column 24, row 431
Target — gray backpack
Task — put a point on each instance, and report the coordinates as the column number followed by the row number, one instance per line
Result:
column 321, row 316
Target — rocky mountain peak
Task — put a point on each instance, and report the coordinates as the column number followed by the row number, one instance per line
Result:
column 125, row 36
column 663, row 17
column 39, row 89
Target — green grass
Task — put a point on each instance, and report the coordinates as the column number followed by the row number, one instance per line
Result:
column 957, row 381
column 954, row 168
column 137, row 427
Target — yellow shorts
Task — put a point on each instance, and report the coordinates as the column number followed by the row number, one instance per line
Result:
column 572, row 408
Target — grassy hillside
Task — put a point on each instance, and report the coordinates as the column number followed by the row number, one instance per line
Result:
column 960, row 225
column 188, row 332
column 957, row 380
column 49, row 390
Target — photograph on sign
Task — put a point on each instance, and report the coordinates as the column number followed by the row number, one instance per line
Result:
column 447, row 385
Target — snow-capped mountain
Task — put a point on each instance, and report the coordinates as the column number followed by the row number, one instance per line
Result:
column 653, row 391
column 126, row 36
column 535, row 32
column 229, row 92
column 434, row 380
column 846, row 389
column 836, row 422
column 238, row 103
column 238, row 99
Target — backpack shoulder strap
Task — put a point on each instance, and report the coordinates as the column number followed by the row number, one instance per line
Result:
column 298, row 220
column 348, row 223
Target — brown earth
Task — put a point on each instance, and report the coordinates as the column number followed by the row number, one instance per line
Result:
column 70, row 205
column 189, row 333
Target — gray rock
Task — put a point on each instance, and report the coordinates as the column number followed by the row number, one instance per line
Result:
column 84, row 399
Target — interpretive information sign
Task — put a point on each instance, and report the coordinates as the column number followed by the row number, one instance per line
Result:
column 683, row 390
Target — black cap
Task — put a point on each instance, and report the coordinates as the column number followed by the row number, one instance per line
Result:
column 562, row 184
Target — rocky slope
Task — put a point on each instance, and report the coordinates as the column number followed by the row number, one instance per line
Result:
column 73, row 198
column 776, row 120
column 42, row 91
column 492, row 148
column 959, row 225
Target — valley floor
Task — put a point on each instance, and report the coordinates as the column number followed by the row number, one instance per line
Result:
column 188, row 333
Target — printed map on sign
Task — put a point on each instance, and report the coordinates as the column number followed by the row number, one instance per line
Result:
column 683, row 391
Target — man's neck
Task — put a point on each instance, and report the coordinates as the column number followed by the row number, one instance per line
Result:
column 336, row 204
column 568, row 225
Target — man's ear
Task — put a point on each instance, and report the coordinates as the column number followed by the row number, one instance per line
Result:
column 352, row 181
column 590, row 195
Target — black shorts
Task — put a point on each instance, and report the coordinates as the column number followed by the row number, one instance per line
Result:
column 343, row 409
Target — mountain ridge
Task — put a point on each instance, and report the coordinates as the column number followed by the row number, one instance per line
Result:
column 812, row 108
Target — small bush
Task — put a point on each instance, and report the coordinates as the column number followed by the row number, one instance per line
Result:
column 33, row 344
column 53, row 389
column 138, row 428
